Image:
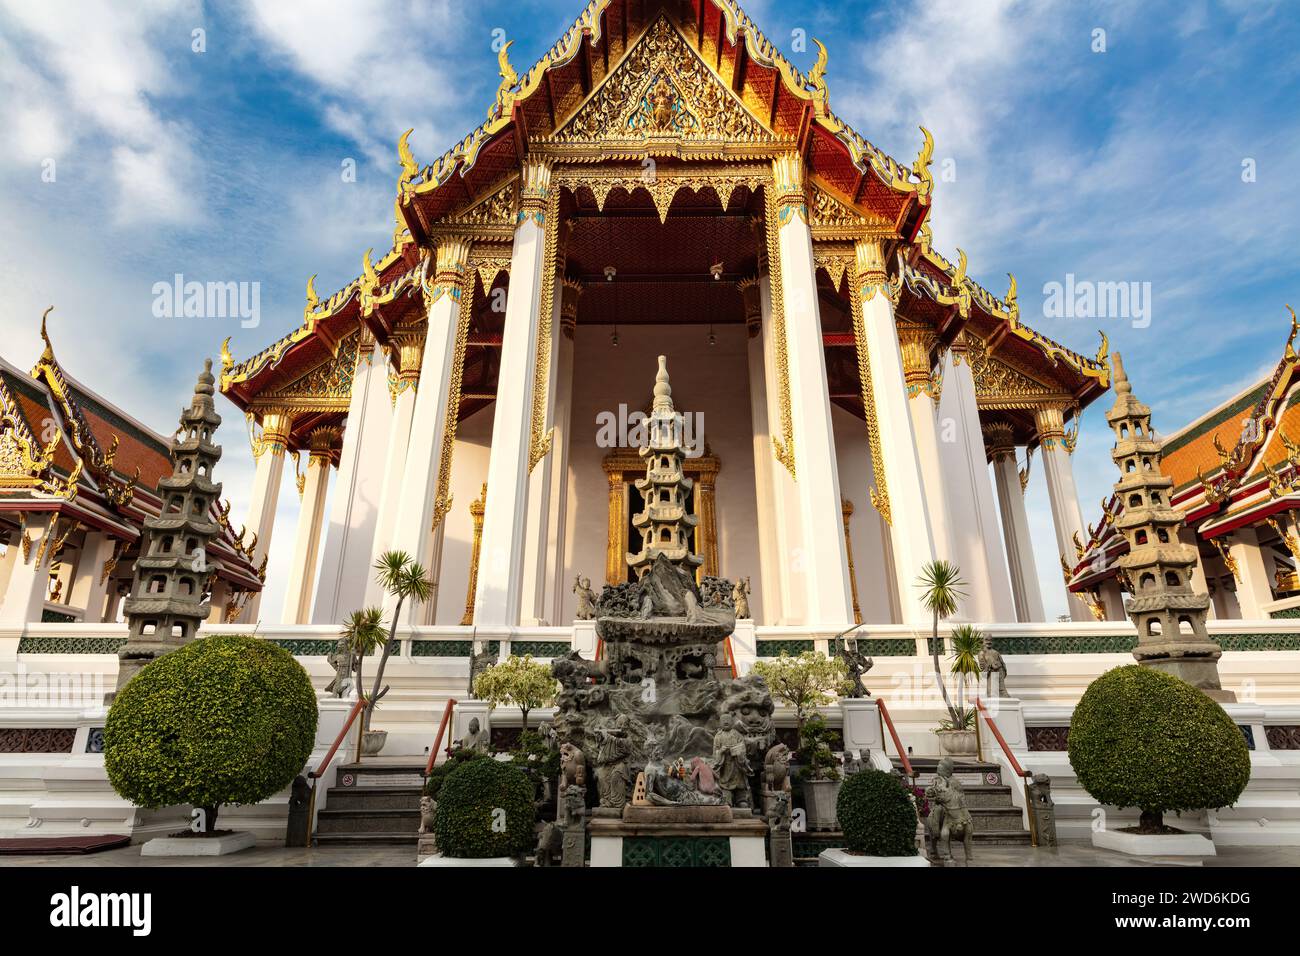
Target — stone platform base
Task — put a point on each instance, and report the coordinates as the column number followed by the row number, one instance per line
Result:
column 1143, row 844
column 739, row 843
column 199, row 846
column 439, row 860
column 845, row 858
column 677, row 815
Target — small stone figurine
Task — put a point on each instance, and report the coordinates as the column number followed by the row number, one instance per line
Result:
column 586, row 599
column 948, row 815
column 740, row 598
column 340, row 658
column 990, row 661
column 475, row 737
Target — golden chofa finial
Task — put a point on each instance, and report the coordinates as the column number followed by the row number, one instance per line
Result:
column 817, row 77
column 1012, row 301
column 369, row 283
column 227, row 360
column 406, row 159
column 48, row 354
column 313, row 299
column 505, row 98
column 1290, row 342
column 1103, row 352
column 921, row 168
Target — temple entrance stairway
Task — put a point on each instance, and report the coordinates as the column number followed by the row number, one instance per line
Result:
column 377, row 803
column 998, row 820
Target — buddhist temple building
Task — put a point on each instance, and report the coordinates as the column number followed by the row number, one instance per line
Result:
column 663, row 181
column 78, row 478
column 1236, row 479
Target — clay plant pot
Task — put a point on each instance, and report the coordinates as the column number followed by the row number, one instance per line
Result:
column 819, row 797
column 956, row 743
column 372, row 741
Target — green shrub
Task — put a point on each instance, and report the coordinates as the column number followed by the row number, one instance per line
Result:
column 469, row 822
column 532, row 755
column 817, row 745
column 877, row 815
column 223, row 719
column 1142, row 738
column 438, row 775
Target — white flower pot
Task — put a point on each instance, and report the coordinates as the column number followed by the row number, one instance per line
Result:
column 957, row 743
column 819, row 797
column 372, row 741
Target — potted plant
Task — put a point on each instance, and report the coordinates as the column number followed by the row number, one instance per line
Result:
column 1142, row 738
column 877, row 813
column 518, row 681
column 364, row 633
column 941, row 588
column 804, row 683
column 222, row 719
column 485, row 815
column 957, row 732
column 400, row 576
column 819, row 774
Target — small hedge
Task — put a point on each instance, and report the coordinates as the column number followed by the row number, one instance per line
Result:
column 222, row 719
column 876, row 814
column 469, row 803
column 439, row 774
column 1143, row 738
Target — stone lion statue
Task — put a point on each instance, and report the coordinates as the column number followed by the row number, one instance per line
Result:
column 573, row 767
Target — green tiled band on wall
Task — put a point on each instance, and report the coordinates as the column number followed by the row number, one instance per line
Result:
column 1061, row 644
column 777, row 648
column 1286, row 613
column 70, row 645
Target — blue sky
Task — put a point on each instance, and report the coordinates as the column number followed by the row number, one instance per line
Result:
column 1122, row 165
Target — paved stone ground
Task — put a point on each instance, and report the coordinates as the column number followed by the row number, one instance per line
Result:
column 1069, row 854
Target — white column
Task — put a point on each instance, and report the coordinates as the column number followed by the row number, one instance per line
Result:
column 306, row 545
column 29, row 577
column 408, row 345
column 1066, row 517
column 765, row 602
column 424, row 497
column 266, row 495
column 1001, row 444
column 974, row 531
column 90, row 587
column 558, row 588
column 825, row 565
column 533, row 608
column 1254, row 575
column 501, row 572
column 909, row 521
column 1199, row 582
column 354, row 514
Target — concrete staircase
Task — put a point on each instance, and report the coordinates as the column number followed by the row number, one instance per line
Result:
column 998, row 821
column 376, row 804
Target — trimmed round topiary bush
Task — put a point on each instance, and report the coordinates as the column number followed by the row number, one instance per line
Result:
column 439, row 774
column 877, row 814
column 223, row 719
column 485, row 809
column 1143, row 738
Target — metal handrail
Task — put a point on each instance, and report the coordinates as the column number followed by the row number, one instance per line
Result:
column 898, row 744
column 1024, row 775
column 442, row 728
column 314, row 775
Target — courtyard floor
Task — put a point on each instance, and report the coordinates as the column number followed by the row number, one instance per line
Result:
column 1070, row 854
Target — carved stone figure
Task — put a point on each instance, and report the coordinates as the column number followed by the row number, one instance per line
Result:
column 1043, row 809
column 573, row 767
column 852, row 762
column 740, row 598
column 857, row 664
column 476, row 738
column 948, row 815
column 586, row 599
column 780, row 843
column 428, row 807
column 776, row 768
column 613, row 779
column 663, row 788
column 990, row 661
column 340, row 658
column 574, row 822
column 573, row 670
column 702, row 776
column 730, row 765
column 550, row 843
column 478, row 663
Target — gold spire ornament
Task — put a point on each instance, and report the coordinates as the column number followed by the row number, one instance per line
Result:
column 1290, row 341
column 817, row 78
column 924, row 178
column 313, row 299
column 1012, row 302
column 509, row 79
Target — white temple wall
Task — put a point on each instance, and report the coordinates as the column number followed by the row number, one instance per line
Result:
column 710, row 380
column 873, row 569
column 469, row 468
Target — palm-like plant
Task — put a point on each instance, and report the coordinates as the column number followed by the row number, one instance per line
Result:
column 941, row 588
column 967, row 642
column 364, row 632
column 399, row 575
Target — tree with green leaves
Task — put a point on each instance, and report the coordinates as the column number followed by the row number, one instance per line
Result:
column 941, row 588
column 967, row 642
column 518, row 681
column 363, row 631
column 403, row 578
column 805, row 682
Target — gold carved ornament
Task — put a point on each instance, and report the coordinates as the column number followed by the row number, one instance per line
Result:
column 476, row 509
column 1289, row 539
column 880, row 492
column 540, row 442
column 783, row 447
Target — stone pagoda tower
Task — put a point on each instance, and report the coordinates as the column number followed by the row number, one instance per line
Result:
column 167, row 602
column 1168, row 614
column 664, row 524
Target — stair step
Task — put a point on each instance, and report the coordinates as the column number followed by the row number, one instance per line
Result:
column 367, row 839
column 996, row 819
column 368, row 821
column 373, row 798
column 403, row 774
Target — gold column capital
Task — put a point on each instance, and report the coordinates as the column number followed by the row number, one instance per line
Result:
column 534, row 190
column 450, row 260
column 570, row 291
column 915, row 342
column 1049, row 422
column 321, row 443
column 789, row 192
column 277, row 423
column 999, row 440
column 751, row 295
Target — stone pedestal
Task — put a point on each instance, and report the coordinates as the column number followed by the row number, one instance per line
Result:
column 467, row 710
column 1008, row 713
column 741, row 842
column 862, row 727
column 744, row 646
